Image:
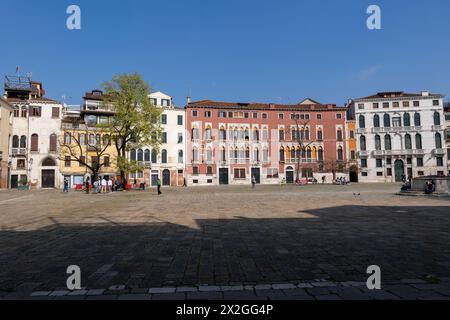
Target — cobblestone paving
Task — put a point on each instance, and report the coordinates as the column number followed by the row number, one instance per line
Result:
column 274, row 242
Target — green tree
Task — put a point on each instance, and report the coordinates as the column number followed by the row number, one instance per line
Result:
column 136, row 121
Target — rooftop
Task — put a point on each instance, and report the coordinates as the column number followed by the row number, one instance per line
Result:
column 399, row 94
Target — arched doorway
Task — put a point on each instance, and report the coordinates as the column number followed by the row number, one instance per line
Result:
column 399, row 170
column 48, row 175
column 289, row 175
column 354, row 174
column 166, row 177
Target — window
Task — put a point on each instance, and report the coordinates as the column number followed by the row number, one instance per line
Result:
column 222, row 114
column 405, row 103
column 437, row 119
column 319, row 134
column 209, row 171
column 24, row 111
column 35, row 111
column 385, row 104
column 416, row 103
column 379, row 174
column 272, row 173
column 23, row 141
column 140, row 155
column 387, row 121
column 154, row 101
column 377, row 142
column 439, row 161
column 353, row 155
column 106, row 162
column 223, row 155
column 194, row 113
column 338, row 135
column 362, row 143
column 418, row 141
column 388, row 161
column 281, row 134
column 396, row 122
column 195, row 171
column 376, row 105
column 53, row 142
column 154, row 156
column 389, row 172
column 180, row 137
column 438, row 140
column 406, row 120
column 362, row 122
column 16, row 112
column 264, row 115
column 180, row 120
column 255, row 115
column 352, row 134
column 165, row 102
column 340, row 154
column 164, row 156
column 417, row 121
column 195, row 155
column 379, row 163
column 164, row 137
column 147, row 155
column 239, row 173
column 320, row 154
column 82, row 161
column 246, row 115
column 281, row 116
column 364, row 174
column 34, row 142
column 67, row 139
column 339, row 116
column 396, row 104
column 435, row 102
column 195, row 134
column 67, row 161
column 387, row 142
column 319, row 116
column 164, row 118
column 209, row 156
column 55, row 112
column 419, row 162
column 133, row 155
column 207, row 114
column 361, row 106
column 376, row 121
column 363, row 163
column 15, row 141
column 82, row 139
column 408, row 144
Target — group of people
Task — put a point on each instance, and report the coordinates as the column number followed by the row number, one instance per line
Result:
column 341, row 181
column 101, row 185
column 430, row 187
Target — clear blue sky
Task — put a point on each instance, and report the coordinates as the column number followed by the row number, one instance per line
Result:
column 233, row 50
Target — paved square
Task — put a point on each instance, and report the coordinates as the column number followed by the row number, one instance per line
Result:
column 218, row 238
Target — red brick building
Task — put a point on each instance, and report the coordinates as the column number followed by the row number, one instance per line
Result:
column 234, row 143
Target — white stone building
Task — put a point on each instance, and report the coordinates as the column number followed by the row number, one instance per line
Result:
column 168, row 163
column 400, row 135
column 35, row 136
column 447, row 133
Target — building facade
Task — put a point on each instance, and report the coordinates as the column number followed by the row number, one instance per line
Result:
column 36, row 128
column 237, row 143
column 400, row 135
column 447, row 133
column 6, row 118
column 352, row 149
column 166, row 163
column 86, row 143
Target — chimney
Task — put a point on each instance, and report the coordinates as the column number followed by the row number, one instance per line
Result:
column 188, row 100
column 425, row 93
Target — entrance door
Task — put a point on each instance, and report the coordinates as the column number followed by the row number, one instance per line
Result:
column 223, row 176
column 154, row 179
column 166, row 177
column 354, row 174
column 48, row 178
column 14, row 181
column 289, row 175
column 256, row 172
column 399, row 170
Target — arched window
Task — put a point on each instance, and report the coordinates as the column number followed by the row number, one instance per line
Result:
column 34, row 142
column 418, row 141
column 209, row 155
column 246, row 134
column 133, row 155
column 195, row 134
column 319, row 134
column 320, row 154
column 265, row 155
column 256, row 134
column 15, row 141
column 408, row 143
column 208, row 134
column 256, row 154
column 91, row 139
column 48, row 162
column 376, row 121
column 147, row 155
column 437, row 119
column 106, row 140
column 307, row 134
column 247, row 153
column 53, row 142
column 377, row 142
column 223, row 155
column 406, row 120
column 222, row 134
column 265, row 134
column 339, row 134
column 180, row 156
column 417, row 121
column 82, row 139
column 281, row 134
column 387, row 142
column 387, row 121
column 67, row 139
column 98, row 139
column 140, row 155
column 288, row 154
column 438, row 140
column 164, row 156
column 309, row 153
column 293, row 154
column 154, row 156
column 362, row 143
column 282, row 157
column 362, row 122
column 23, row 141
column 340, row 154
column 298, row 153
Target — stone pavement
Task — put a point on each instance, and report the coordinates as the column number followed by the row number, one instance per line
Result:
column 274, row 242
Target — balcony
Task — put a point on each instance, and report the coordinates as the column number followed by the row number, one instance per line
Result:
column 439, row 151
column 381, row 153
column 15, row 152
column 396, row 129
column 363, row 153
column 145, row 164
column 437, row 128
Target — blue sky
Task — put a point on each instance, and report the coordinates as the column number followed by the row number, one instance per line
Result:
column 234, row 50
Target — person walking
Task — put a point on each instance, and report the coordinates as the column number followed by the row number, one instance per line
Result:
column 323, row 179
column 87, row 184
column 253, row 182
column 66, row 186
column 110, row 184
column 103, row 185
column 158, row 186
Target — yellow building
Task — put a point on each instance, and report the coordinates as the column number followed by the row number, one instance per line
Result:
column 83, row 144
column 351, row 149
